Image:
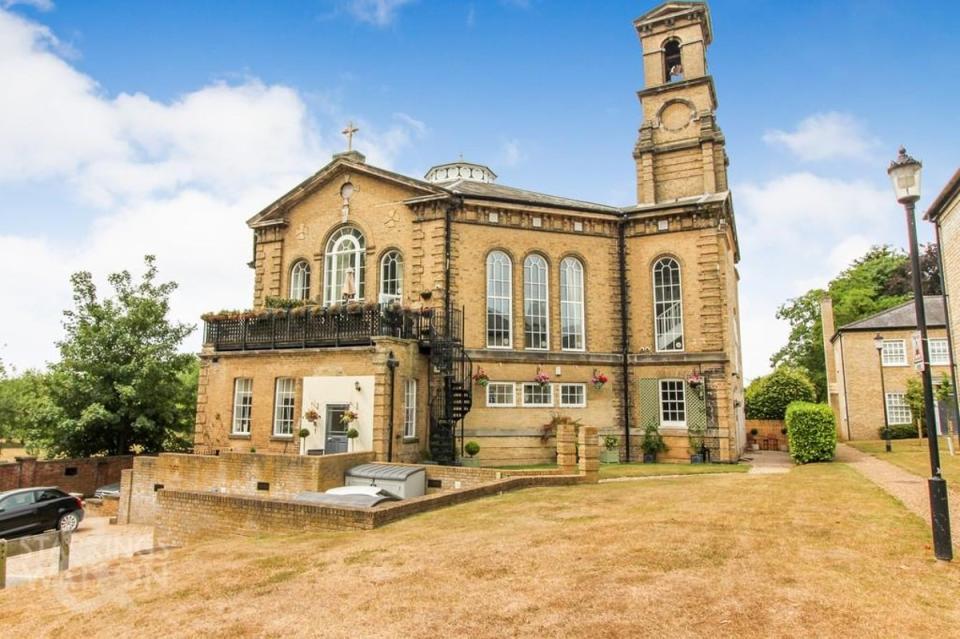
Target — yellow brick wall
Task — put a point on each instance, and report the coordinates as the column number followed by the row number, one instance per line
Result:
column 950, row 258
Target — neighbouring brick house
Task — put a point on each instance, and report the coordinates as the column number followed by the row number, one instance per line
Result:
column 944, row 212
column 854, row 365
column 417, row 286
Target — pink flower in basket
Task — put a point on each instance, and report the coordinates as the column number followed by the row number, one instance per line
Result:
column 481, row 377
column 542, row 378
column 599, row 379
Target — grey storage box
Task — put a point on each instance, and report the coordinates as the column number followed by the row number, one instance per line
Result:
column 403, row 481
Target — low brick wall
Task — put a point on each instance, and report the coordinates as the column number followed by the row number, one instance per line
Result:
column 250, row 474
column 769, row 430
column 81, row 475
column 185, row 517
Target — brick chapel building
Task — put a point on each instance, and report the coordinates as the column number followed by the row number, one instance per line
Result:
column 436, row 311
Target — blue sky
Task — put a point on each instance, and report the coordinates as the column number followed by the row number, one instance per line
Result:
column 130, row 122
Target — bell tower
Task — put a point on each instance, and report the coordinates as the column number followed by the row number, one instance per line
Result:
column 680, row 151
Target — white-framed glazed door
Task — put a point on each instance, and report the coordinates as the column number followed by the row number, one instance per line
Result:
column 336, row 440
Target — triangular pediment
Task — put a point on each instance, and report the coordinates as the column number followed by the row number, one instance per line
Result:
column 672, row 11
column 343, row 163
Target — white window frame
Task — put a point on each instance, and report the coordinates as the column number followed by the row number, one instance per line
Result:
column 523, row 395
column 349, row 244
column 392, row 259
column 571, row 305
column 897, row 408
column 659, row 290
column 284, row 406
column 513, row 394
column 887, row 355
column 942, row 357
column 500, row 278
column 410, row 409
column 242, row 406
column 536, row 301
column 583, row 394
column 669, row 423
column 300, row 280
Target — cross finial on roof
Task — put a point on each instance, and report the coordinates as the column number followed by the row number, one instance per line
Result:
column 349, row 131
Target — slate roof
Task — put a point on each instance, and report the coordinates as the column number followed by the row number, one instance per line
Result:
column 902, row 317
column 483, row 190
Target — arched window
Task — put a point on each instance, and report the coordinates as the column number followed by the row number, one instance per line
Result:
column 668, row 305
column 344, row 266
column 300, row 280
column 571, row 305
column 672, row 64
column 499, row 300
column 391, row 277
column 536, row 320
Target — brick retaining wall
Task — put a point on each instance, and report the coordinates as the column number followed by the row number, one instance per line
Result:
column 184, row 517
column 81, row 475
column 769, row 430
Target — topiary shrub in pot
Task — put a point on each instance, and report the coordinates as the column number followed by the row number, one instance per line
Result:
column 811, row 432
column 471, row 448
column 652, row 443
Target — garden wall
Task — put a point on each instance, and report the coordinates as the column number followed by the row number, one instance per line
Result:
column 81, row 475
column 250, row 474
column 770, row 436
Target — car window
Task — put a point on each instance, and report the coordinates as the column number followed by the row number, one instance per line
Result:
column 47, row 495
column 17, row 500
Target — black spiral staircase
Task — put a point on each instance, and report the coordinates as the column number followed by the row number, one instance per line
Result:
column 451, row 384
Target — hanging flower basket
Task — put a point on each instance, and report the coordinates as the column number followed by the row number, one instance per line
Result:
column 695, row 380
column 312, row 416
column 348, row 417
column 541, row 378
column 481, row 378
column 598, row 379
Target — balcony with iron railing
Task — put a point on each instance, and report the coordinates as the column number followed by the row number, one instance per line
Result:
column 327, row 327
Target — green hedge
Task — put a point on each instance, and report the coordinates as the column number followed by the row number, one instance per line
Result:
column 900, row 431
column 811, row 432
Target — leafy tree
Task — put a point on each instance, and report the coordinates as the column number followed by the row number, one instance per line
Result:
column 25, row 406
column 121, row 380
column 913, row 396
column 768, row 397
column 873, row 283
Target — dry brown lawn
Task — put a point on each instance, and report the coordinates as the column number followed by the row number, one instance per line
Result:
column 818, row 552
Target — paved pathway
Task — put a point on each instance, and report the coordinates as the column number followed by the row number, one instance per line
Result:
column 910, row 489
column 94, row 542
column 767, row 462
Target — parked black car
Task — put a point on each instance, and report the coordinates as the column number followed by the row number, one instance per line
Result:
column 27, row 511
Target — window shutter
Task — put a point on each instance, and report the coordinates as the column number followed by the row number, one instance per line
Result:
column 696, row 407
column 649, row 402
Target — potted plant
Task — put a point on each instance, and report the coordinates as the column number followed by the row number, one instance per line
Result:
column 541, row 378
column 471, row 448
column 611, row 450
column 352, row 434
column 652, row 443
column 481, row 377
column 598, row 379
column 695, row 381
column 695, row 437
column 753, row 436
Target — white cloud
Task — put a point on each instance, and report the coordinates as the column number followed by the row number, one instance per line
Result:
column 826, row 136
column 155, row 177
column 511, row 154
column 380, row 13
column 40, row 5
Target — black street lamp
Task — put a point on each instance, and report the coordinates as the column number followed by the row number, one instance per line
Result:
column 878, row 344
column 905, row 174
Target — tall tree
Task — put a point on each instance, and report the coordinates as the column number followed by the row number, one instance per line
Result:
column 120, row 381
column 873, row 283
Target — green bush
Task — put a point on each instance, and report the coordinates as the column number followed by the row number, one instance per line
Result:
column 811, row 432
column 472, row 448
column 899, row 431
column 768, row 397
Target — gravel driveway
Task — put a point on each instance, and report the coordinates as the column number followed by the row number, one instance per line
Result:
column 94, row 542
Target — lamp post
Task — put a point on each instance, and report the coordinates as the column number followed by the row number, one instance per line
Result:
column 905, row 174
column 878, row 344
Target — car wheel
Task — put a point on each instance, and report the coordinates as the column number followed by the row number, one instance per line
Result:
column 68, row 522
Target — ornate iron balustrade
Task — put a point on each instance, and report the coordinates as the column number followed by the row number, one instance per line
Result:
column 313, row 328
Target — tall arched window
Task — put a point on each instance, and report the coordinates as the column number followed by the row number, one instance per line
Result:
column 300, row 280
column 571, row 305
column 672, row 64
column 391, row 277
column 344, row 266
column 499, row 300
column 536, row 320
column 668, row 305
